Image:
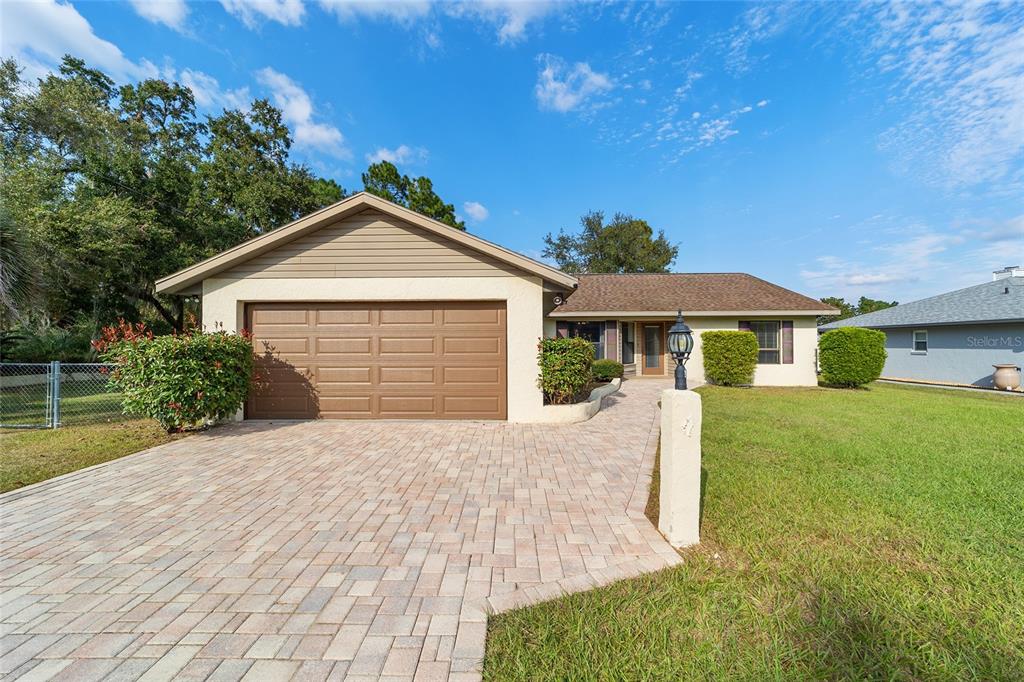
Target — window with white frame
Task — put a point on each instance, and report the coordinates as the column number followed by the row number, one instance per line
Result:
column 921, row 341
column 768, row 342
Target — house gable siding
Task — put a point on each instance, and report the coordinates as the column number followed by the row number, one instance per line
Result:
column 370, row 244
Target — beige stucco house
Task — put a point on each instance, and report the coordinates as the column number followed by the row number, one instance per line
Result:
column 365, row 309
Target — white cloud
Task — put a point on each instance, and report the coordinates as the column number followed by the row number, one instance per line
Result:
column 476, row 211
column 402, row 154
column 403, row 11
column 563, row 88
column 1011, row 230
column 763, row 103
column 171, row 13
column 960, row 69
column 38, row 34
column 297, row 109
column 210, row 95
column 910, row 260
column 684, row 89
column 757, row 25
column 511, row 18
column 253, row 12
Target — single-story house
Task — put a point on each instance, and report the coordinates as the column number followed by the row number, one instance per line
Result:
column 627, row 317
column 365, row 309
column 953, row 338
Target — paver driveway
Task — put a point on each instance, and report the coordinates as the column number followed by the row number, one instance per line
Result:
column 322, row 550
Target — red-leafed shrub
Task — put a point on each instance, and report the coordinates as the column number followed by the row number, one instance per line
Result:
column 181, row 380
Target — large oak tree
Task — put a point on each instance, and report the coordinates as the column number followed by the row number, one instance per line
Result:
column 626, row 244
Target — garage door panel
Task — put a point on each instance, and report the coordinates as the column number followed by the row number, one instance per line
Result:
column 278, row 316
column 487, row 317
column 351, row 406
column 406, row 375
column 465, row 405
column 407, row 405
column 343, row 316
column 469, row 376
column 418, row 317
column 344, row 375
column 283, row 407
column 380, row 360
column 472, row 345
column 291, row 346
column 332, row 345
column 423, row 345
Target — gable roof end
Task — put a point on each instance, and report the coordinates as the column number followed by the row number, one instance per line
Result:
column 190, row 276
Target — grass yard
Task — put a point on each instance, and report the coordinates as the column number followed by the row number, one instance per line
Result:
column 30, row 456
column 870, row 534
column 81, row 402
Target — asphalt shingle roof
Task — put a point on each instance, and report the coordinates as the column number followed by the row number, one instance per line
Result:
column 692, row 292
column 997, row 301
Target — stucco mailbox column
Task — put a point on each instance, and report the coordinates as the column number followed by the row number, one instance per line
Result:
column 679, row 518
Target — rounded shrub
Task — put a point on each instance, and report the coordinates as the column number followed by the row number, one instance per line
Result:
column 565, row 368
column 729, row 357
column 851, row 356
column 606, row 370
column 182, row 380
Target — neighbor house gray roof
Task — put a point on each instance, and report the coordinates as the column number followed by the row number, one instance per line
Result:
column 998, row 301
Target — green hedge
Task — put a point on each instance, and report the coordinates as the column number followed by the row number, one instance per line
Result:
column 565, row 368
column 851, row 356
column 181, row 381
column 729, row 357
column 606, row 370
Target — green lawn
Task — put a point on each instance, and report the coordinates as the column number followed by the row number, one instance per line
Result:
column 870, row 534
column 82, row 402
column 30, row 456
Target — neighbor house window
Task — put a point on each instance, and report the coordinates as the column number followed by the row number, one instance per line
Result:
column 921, row 341
column 767, row 342
column 591, row 331
column 627, row 343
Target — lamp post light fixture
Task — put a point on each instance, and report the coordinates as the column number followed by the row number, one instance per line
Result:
column 680, row 345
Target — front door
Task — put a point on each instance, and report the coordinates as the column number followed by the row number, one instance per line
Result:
column 654, row 350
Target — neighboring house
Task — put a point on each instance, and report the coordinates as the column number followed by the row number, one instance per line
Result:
column 365, row 309
column 627, row 317
column 953, row 338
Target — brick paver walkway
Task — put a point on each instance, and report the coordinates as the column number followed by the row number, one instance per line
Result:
column 322, row 550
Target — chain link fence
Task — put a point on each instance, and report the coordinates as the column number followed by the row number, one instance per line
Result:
column 48, row 395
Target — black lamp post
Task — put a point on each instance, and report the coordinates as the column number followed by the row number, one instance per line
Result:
column 680, row 344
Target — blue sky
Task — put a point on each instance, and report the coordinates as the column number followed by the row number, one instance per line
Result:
column 836, row 149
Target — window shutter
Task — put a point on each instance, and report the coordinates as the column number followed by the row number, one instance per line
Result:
column 744, row 326
column 561, row 328
column 611, row 340
column 787, row 342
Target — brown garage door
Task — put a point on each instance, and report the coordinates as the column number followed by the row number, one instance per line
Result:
column 436, row 360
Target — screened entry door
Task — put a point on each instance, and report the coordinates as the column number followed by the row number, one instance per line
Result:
column 654, row 349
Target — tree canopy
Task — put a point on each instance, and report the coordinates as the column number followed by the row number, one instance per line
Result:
column 417, row 194
column 626, row 244
column 111, row 188
column 107, row 188
column 863, row 305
